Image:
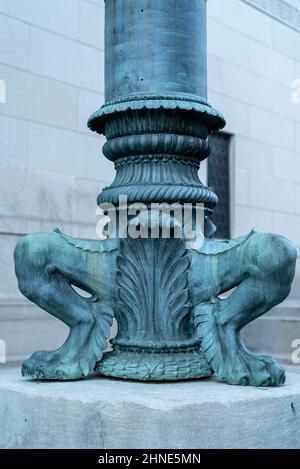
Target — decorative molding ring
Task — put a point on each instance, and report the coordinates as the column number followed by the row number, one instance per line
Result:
column 213, row 118
column 165, row 158
column 147, row 144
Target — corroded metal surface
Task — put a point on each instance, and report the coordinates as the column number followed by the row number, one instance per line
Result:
column 172, row 323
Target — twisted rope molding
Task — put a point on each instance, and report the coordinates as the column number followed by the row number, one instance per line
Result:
column 158, row 193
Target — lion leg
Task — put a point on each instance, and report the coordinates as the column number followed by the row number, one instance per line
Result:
column 261, row 271
column 46, row 267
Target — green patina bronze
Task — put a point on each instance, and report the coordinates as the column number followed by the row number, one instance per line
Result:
column 172, row 323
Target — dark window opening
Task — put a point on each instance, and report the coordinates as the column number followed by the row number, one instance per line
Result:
column 218, row 179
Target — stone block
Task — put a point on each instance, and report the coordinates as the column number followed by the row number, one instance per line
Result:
column 270, row 128
column 91, row 24
column 241, row 187
column 14, row 40
column 8, row 281
column 247, row 21
column 286, row 165
column 245, row 86
column 65, row 152
column 287, row 225
column 53, row 55
column 298, row 136
column 85, row 194
column 13, row 138
column 90, row 68
column 247, row 218
column 88, row 102
column 252, row 156
column 43, row 196
column 272, row 194
column 102, row 413
column 46, row 201
column 270, row 63
column 285, row 40
column 233, row 47
column 100, row 3
column 214, row 72
column 36, row 98
column 236, row 112
column 282, row 102
column 214, row 10
column 66, row 60
column 25, row 328
column 48, row 15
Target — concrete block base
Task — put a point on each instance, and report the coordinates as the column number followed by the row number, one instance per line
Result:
column 107, row 413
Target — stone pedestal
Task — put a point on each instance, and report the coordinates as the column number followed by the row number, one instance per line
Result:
column 107, row 413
